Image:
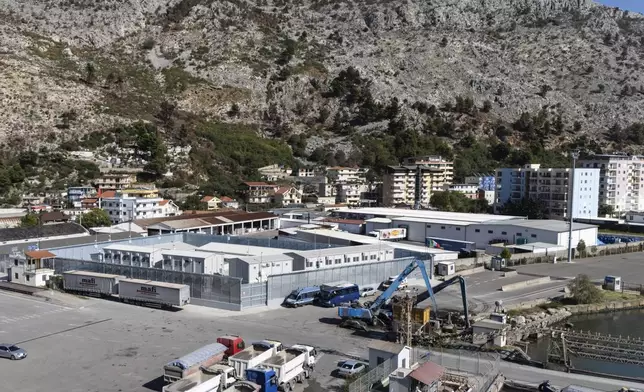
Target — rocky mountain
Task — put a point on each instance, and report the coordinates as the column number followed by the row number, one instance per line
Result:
column 323, row 70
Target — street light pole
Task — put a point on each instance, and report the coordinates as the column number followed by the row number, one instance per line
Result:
column 571, row 193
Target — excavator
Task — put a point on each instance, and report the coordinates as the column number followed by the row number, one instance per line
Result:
column 369, row 315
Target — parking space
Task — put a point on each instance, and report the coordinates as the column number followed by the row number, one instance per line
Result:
column 102, row 345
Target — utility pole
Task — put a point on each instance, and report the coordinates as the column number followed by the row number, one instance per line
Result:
column 571, row 194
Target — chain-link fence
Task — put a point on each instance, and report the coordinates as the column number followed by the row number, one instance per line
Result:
column 206, row 290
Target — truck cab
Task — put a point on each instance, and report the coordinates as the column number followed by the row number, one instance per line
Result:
column 311, row 353
column 265, row 378
column 234, row 344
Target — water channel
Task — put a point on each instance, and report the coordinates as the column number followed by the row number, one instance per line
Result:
column 628, row 323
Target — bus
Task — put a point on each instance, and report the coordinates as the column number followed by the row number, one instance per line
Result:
column 334, row 294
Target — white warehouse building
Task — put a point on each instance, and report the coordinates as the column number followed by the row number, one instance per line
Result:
column 138, row 256
column 192, row 261
column 254, row 269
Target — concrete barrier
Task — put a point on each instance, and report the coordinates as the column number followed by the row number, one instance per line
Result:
column 507, row 274
column 524, row 284
column 470, row 271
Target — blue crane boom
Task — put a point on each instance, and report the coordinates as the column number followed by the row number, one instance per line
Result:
column 369, row 314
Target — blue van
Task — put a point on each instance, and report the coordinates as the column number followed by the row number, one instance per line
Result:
column 334, row 294
column 301, row 297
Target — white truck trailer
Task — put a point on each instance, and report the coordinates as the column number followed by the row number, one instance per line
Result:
column 252, row 356
column 214, row 378
column 390, row 234
column 291, row 365
column 151, row 292
column 87, row 282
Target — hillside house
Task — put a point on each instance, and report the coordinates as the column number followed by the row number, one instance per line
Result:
column 287, row 195
column 258, row 192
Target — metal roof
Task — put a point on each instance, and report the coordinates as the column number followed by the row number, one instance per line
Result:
column 434, row 221
column 187, row 253
column 41, row 231
column 389, row 347
column 132, row 248
column 274, row 258
column 379, row 220
column 427, row 214
column 341, row 250
column 543, row 224
column 428, row 373
column 240, row 250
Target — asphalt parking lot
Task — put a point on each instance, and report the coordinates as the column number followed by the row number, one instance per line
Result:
column 101, row 345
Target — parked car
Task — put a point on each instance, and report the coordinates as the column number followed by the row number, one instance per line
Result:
column 367, row 291
column 12, row 351
column 391, row 280
column 350, row 368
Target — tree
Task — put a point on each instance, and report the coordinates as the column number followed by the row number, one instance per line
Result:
column 166, row 112
column 506, row 254
column 581, row 247
column 29, row 220
column 234, row 110
column 533, row 209
column 95, row 218
column 192, row 202
column 606, row 210
column 90, row 73
column 584, row 291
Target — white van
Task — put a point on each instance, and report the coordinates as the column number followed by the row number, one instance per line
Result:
column 390, row 281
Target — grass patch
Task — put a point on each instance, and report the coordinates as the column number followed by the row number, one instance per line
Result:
column 611, row 296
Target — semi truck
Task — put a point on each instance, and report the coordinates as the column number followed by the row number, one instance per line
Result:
column 151, row 292
column 93, row 283
column 214, row 378
column 253, row 355
column 291, row 365
column 204, row 357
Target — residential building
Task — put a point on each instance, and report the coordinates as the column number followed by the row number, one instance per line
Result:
column 488, row 195
column 550, row 186
column 48, row 218
column 30, row 270
column 76, row 193
column 169, row 208
column 274, row 172
column 485, row 182
column 347, row 184
column 306, row 172
column 89, row 203
column 287, row 195
column 621, row 181
column 114, row 181
column 634, row 217
column 227, row 202
column 211, row 203
column 137, row 203
column 469, row 190
column 445, row 174
column 408, row 184
column 259, row 192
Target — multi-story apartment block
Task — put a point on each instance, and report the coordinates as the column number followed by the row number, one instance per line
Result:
column 470, row 191
column 621, row 181
column 137, row 203
column 347, row 184
column 76, row 193
column 305, row 172
column 445, row 169
column 550, row 186
column 258, row 192
column 408, row 184
column 486, row 182
column 114, row 181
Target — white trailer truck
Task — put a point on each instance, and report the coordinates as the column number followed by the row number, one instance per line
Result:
column 291, row 365
column 390, row 234
column 214, row 378
column 253, row 355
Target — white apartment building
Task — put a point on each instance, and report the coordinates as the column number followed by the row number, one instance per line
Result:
column 403, row 184
column 346, row 184
column 471, row 191
column 621, row 181
column 550, row 186
column 274, row 172
column 445, row 174
column 114, row 181
column 132, row 204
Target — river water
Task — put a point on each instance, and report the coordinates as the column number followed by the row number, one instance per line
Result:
column 628, row 323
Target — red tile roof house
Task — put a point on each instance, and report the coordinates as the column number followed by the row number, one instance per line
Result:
column 287, row 195
column 229, row 202
column 258, row 192
column 211, row 202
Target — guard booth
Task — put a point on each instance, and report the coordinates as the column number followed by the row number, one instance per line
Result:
column 612, row 283
column 445, row 268
column 497, row 263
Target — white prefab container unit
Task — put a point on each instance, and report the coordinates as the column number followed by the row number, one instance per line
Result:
column 148, row 291
column 192, row 261
column 445, row 268
column 334, row 257
column 91, row 282
column 253, row 269
column 138, row 256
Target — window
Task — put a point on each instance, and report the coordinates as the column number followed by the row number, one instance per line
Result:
column 373, row 257
column 356, row 259
column 44, row 278
column 504, row 233
column 490, row 232
column 379, row 360
column 533, row 236
column 309, row 264
column 364, row 258
column 16, row 275
column 477, row 230
column 328, row 261
column 429, row 226
column 27, row 277
column 443, row 227
column 458, row 229
column 15, row 262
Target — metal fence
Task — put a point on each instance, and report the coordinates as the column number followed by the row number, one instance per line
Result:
column 253, row 294
column 279, row 286
column 207, row 290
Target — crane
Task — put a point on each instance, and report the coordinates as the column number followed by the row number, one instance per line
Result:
column 363, row 316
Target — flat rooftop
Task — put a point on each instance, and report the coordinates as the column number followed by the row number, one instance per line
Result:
column 240, row 250
column 423, row 214
column 558, row 226
column 195, row 254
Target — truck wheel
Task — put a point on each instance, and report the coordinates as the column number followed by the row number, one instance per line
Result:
column 289, row 387
column 307, row 374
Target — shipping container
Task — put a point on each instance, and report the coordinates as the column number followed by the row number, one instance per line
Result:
column 91, row 282
column 149, row 291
